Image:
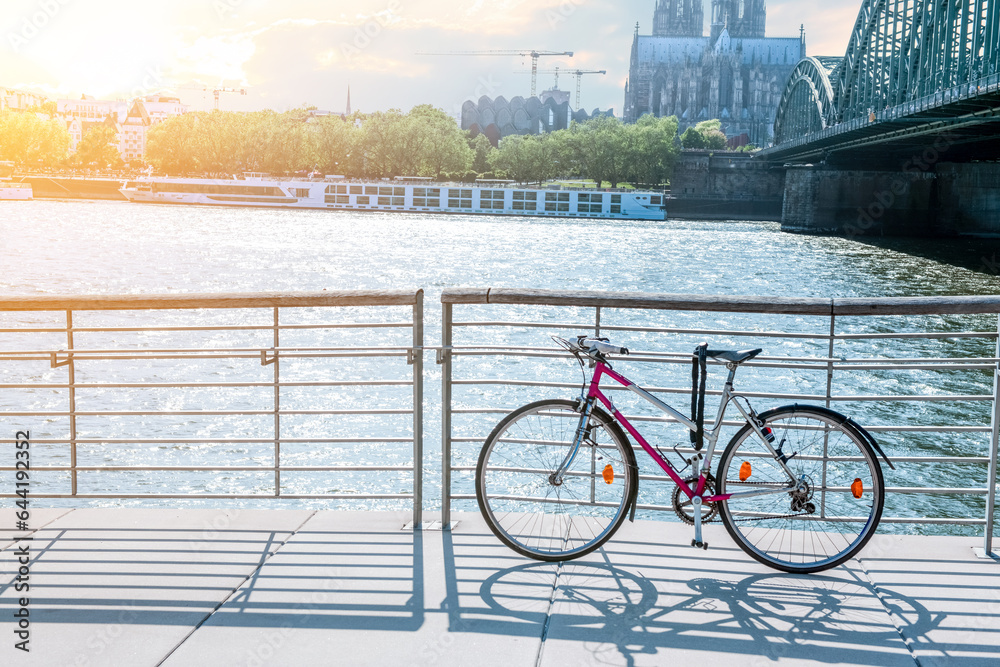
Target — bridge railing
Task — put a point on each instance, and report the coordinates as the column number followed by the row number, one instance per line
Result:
column 219, row 396
column 917, row 372
column 958, row 93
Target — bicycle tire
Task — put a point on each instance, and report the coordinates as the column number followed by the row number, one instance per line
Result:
column 779, row 530
column 531, row 515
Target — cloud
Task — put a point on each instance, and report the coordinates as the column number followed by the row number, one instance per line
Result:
column 306, row 51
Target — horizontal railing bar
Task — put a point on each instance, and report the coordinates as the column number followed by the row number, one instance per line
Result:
column 196, row 385
column 220, row 327
column 195, row 413
column 80, row 352
column 929, row 520
column 217, row 496
column 749, row 394
column 209, row 441
column 686, row 357
column 671, row 420
column 895, row 459
column 925, row 334
column 196, row 357
column 266, row 469
column 694, row 302
column 736, row 332
column 333, row 298
column 933, row 305
column 817, row 364
column 666, row 330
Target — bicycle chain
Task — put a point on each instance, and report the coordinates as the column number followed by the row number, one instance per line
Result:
column 756, row 518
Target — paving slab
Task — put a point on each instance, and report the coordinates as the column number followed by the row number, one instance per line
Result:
column 125, row 586
column 945, row 601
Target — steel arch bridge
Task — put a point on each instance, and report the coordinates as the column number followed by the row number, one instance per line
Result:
column 912, row 68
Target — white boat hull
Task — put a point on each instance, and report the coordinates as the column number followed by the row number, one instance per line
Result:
column 400, row 197
column 16, row 192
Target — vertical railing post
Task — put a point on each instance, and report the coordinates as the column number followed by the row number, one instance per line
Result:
column 71, row 367
column 277, row 411
column 418, row 409
column 991, row 491
column 829, row 395
column 597, row 323
column 445, row 360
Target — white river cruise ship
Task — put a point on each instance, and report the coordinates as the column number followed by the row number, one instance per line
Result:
column 405, row 194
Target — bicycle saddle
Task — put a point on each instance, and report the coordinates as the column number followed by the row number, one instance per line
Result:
column 734, row 356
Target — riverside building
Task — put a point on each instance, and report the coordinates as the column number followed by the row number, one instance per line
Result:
column 735, row 74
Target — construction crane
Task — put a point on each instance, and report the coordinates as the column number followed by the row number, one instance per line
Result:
column 219, row 91
column 535, row 55
column 579, row 76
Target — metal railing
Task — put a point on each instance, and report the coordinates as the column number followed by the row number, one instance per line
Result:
column 271, row 348
column 825, row 339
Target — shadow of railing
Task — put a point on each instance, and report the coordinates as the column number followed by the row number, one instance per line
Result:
column 711, row 603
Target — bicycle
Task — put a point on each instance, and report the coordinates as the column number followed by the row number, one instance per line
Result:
column 799, row 488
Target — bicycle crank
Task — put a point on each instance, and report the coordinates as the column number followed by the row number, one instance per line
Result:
column 683, row 507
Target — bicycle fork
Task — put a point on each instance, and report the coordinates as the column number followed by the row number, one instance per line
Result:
column 556, row 478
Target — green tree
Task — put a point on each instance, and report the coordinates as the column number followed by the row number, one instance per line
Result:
column 706, row 134
column 525, row 159
column 442, row 144
column 691, row 138
column 99, row 148
column 335, row 141
column 481, row 148
column 600, row 148
column 175, row 146
column 26, row 139
column 653, row 149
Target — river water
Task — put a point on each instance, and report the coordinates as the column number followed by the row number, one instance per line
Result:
column 55, row 247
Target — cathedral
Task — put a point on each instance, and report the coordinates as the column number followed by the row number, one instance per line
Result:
column 736, row 74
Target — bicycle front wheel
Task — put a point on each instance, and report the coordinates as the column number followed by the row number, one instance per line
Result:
column 524, row 506
column 835, row 508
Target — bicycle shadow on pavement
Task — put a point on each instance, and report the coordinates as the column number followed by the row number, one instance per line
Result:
column 633, row 604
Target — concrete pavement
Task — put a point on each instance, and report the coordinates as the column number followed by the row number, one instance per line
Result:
column 296, row 587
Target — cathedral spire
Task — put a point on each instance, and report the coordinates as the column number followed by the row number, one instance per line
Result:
column 742, row 18
column 347, row 112
column 678, row 18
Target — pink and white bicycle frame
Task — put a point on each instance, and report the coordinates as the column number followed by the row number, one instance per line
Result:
column 696, row 494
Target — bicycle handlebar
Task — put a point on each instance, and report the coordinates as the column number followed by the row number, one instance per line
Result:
column 603, row 346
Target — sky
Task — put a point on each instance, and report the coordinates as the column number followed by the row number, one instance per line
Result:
column 291, row 53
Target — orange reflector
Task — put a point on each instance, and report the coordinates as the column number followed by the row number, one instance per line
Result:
column 609, row 474
column 745, row 471
column 857, row 489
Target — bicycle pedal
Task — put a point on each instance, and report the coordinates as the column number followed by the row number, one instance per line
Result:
column 699, row 545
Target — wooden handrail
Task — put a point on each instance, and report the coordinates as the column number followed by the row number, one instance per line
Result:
column 930, row 305
column 220, row 300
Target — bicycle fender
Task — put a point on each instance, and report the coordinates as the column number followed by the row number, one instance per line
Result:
column 613, row 425
column 843, row 419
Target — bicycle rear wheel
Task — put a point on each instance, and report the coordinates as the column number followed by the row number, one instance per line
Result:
column 823, row 523
column 521, row 504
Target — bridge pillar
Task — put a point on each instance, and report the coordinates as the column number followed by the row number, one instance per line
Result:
column 969, row 198
column 858, row 202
